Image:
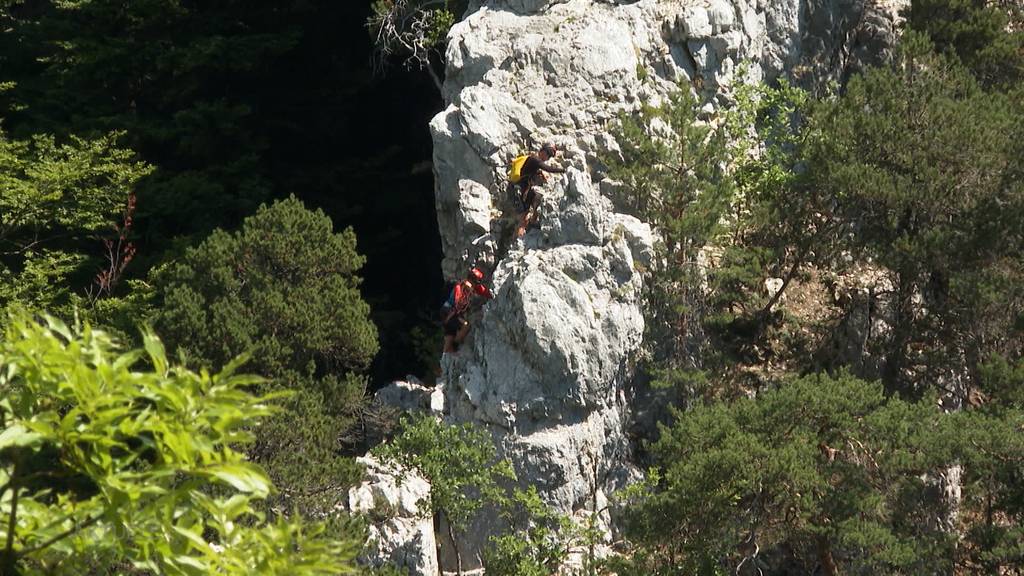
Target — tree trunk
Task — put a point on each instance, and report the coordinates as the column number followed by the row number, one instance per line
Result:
column 455, row 548
column 825, row 559
column 903, row 318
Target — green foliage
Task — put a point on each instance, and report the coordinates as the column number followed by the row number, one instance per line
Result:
column 821, row 466
column 781, row 226
column 903, row 176
column 779, row 218
column 537, row 543
column 57, row 200
column 307, row 448
column 155, row 70
column 915, row 158
column 284, row 289
column 459, row 461
column 416, row 30
column 985, row 35
column 993, row 459
column 1003, row 382
column 234, row 104
column 734, row 286
column 913, row 170
column 105, row 462
column 734, row 207
column 672, row 172
column 427, row 338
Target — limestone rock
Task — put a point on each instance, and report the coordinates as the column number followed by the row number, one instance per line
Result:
column 772, row 286
column 411, row 396
column 548, row 365
column 721, row 16
column 400, row 534
column 694, row 22
column 865, row 296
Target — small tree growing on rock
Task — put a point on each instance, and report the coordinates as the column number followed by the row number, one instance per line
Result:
column 540, row 540
column 461, row 464
column 672, row 173
column 727, row 199
column 415, row 30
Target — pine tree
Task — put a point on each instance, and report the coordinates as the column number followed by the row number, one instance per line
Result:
column 671, row 171
column 285, row 290
column 916, row 157
column 986, row 35
column 825, row 469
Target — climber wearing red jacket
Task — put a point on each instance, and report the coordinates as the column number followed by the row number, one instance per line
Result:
column 453, row 311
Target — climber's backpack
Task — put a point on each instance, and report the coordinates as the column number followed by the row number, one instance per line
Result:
column 448, row 305
column 515, row 171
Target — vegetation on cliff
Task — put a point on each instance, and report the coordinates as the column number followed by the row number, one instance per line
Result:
column 829, row 428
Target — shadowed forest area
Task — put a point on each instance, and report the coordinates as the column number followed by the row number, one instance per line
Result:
column 234, row 104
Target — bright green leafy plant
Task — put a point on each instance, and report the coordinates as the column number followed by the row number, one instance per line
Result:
column 461, row 464
column 120, row 461
column 672, row 172
column 57, row 201
column 538, row 542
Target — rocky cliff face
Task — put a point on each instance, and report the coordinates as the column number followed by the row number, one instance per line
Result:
column 548, row 364
column 400, row 534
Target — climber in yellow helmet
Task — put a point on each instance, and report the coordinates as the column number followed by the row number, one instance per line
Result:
column 527, row 171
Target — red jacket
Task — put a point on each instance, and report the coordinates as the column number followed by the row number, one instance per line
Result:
column 462, row 295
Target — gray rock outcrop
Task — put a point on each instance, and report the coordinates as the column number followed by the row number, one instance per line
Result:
column 411, row 395
column 400, row 534
column 549, row 362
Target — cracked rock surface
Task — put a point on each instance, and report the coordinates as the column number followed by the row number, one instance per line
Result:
column 399, row 533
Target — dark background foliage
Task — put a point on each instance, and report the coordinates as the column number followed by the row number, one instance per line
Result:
column 238, row 103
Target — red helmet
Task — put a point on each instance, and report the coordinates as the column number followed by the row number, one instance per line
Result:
column 476, row 274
